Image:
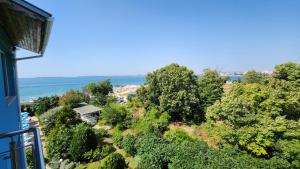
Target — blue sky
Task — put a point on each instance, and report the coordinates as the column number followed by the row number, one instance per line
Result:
column 133, row 37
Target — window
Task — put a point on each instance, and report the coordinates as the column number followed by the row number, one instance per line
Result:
column 8, row 78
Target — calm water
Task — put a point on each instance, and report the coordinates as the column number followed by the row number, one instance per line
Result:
column 32, row 88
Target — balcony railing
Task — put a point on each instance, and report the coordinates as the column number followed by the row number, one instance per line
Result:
column 13, row 153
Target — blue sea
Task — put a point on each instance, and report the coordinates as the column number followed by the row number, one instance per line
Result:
column 32, row 88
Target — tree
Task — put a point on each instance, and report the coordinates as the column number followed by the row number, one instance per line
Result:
column 103, row 88
column 260, row 118
column 84, row 139
column 42, row 104
column 116, row 114
column 288, row 71
column 58, row 143
column 253, row 77
column 71, row 98
column 211, row 87
column 66, row 116
column 113, row 161
column 173, row 89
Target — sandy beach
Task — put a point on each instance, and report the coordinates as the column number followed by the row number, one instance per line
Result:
column 125, row 90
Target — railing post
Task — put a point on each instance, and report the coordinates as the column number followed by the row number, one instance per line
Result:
column 38, row 150
column 13, row 154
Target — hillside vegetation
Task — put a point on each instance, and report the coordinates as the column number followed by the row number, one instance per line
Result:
column 182, row 121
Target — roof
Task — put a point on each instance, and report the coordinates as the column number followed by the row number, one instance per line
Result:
column 26, row 25
column 88, row 109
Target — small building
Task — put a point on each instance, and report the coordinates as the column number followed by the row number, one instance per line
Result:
column 88, row 113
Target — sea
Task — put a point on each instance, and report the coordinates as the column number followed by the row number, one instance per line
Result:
column 32, row 88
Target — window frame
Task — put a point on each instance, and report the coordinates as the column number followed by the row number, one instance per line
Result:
column 9, row 92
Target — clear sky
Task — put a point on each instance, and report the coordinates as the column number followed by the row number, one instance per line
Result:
column 133, row 37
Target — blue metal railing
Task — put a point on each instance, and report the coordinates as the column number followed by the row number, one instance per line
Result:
column 37, row 149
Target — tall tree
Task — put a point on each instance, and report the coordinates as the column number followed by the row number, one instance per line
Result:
column 253, row 77
column 211, row 87
column 173, row 89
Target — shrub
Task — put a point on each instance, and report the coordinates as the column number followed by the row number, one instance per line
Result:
column 98, row 154
column 128, row 144
column 113, row 161
column 153, row 121
column 29, row 158
column 48, row 120
column 116, row 114
column 102, row 133
column 58, row 142
column 71, row 98
column 84, row 139
column 118, row 138
column 177, row 135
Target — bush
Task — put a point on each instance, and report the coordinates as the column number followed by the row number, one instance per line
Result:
column 98, row 154
column 84, row 139
column 102, row 133
column 128, row 144
column 58, row 142
column 71, row 98
column 118, row 138
column 113, row 161
column 153, row 121
column 177, row 135
column 115, row 114
column 48, row 120
column 29, row 158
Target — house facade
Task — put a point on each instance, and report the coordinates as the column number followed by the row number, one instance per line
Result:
column 22, row 25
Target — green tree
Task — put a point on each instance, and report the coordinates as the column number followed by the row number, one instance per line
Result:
column 113, row 161
column 211, row 87
column 58, row 143
column 103, row 88
column 253, row 77
column 66, row 116
column 71, row 98
column 84, row 139
column 173, row 89
column 42, row 104
column 260, row 117
column 116, row 114
column 288, row 71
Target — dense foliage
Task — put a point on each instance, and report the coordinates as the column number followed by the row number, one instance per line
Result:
column 99, row 93
column 58, row 143
column 60, row 116
column 84, row 139
column 71, row 98
column 173, row 89
column 113, row 161
column 211, row 87
column 115, row 114
column 42, row 104
column 253, row 77
column 262, row 118
column 153, row 121
column 104, row 87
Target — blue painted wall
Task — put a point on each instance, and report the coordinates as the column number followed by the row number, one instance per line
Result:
column 9, row 114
